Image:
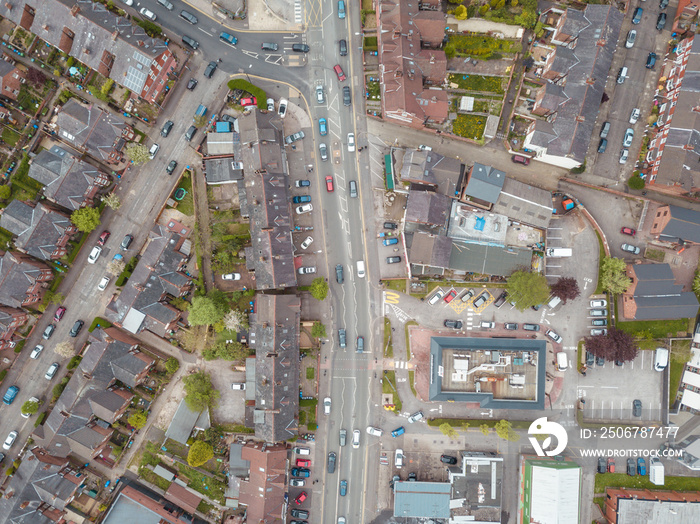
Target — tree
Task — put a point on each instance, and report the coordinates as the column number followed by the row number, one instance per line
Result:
column 200, row 121
column 504, row 429
column 613, row 275
column 64, row 349
column 450, row 51
column 318, row 330
column 236, row 320
column 36, row 77
column 107, row 87
column 200, row 452
column 137, row 153
column 460, row 12
column 528, row 289
column 30, row 407
column 205, row 311
column 5, row 192
column 455, row 1
column 636, row 182
column 112, row 201
column 484, row 429
column 226, row 351
column 527, row 19
column 616, row 345
column 53, row 297
column 199, row 392
column 86, row 219
column 138, row 419
column 319, row 288
column 115, row 267
column 566, row 288
column 172, row 365
column 696, row 284
column 448, row 430
column 484, row 9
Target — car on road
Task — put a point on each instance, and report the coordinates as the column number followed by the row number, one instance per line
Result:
column 269, row 46
column 51, row 372
column 637, row 17
column 339, row 273
column 75, row 330
column 248, row 101
column 94, row 254
column 339, row 72
column 521, row 159
column 302, row 183
column 661, row 22
column 192, row 83
column 289, row 139
column 209, row 71
column 611, row 465
column 598, row 303
column 375, row 432
column 48, row 331
column 355, row 438
column 454, row 324
column 634, row 116
column 306, row 270
column 341, row 9
column 343, row 47
column 390, row 225
column 323, row 150
column 531, row 327
column 501, row 299
column 297, row 483
column 307, row 242
column 598, row 332
column 331, row 462
column 641, row 466
column 305, row 208
column 282, row 108
column 631, row 467
column 322, row 127
column 231, row 276
column 9, row 440
column 342, row 338
column 629, row 136
column 229, row 39
column 450, row 296
column 301, row 498
column 398, row 432
column 556, row 337
column 59, row 314
column 300, row 48
column 36, row 351
column 651, row 60
column 329, row 183
column 360, row 344
column 415, row 417
column 301, row 472
column 598, row 312
column 351, row 142
column 481, row 300
column 343, row 488
column 624, row 155
column 191, row 42
column 167, row 127
column 300, row 513
column 347, row 99
column 103, row 238
column 393, row 260
column 602, row 467
column 448, row 459
column 631, row 37
column 10, row 395
column 628, row 231
column 636, row 408
column 147, row 13
column 189, row 134
column 629, row 248
column 604, row 130
column 172, row 166
column 189, row 17
column 128, row 239
column 327, row 406
column 320, row 97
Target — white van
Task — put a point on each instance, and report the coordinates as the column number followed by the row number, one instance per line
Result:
column 398, row 461
column 238, row 386
column 302, row 451
column 661, row 359
column 554, row 302
column 361, row 268
column 562, row 361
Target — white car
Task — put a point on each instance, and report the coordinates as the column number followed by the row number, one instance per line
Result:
column 9, row 440
column 103, row 283
column 598, row 303
column 424, row 148
column 51, row 371
column 356, row 438
column 327, row 405
column 297, row 483
column 634, row 116
column 282, row 108
column 270, row 104
column 375, row 432
column 624, row 155
column 556, row 337
column 231, row 276
column 148, row 14
column 598, row 332
column 94, row 254
column 415, row 417
column 36, row 351
column 307, row 242
column 306, row 208
column 351, row 142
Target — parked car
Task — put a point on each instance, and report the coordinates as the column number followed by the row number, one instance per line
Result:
column 302, row 183
column 637, row 408
column 300, row 498
column 436, row 297
column 448, row 459
column 189, row 134
column 301, row 472
column 415, row 417
column 390, row 225
column 248, row 101
column 36, row 351
column 103, row 238
column 126, row 242
column 339, row 72
column 629, row 248
column 393, row 260
column 59, row 314
column 323, row 151
column 637, row 17
column 631, row 37
column 9, row 440
column 339, row 273
column 305, row 208
column 521, row 159
column 297, row 483
column 209, row 71
column 663, row 4
column 481, row 300
column 167, row 127
column 282, row 107
column 641, row 466
column 375, row 432
column 289, row 139
column 327, row 406
column 172, row 166
column 501, row 299
column 191, row 42
column 556, row 337
column 307, row 242
column 303, row 463
column 450, row 296
column 300, row 513
column 511, row 326
column 602, row 466
column 651, row 60
column 599, row 321
column 602, row 145
column 531, row 327
column 75, row 330
column 94, row 254
column 306, row 270
column 604, row 130
column 598, row 303
column 10, row 395
column 634, row 116
column 598, row 312
column 48, row 331
column 599, row 361
column 629, row 136
column 192, row 83
column 467, row 296
column 301, row 199
column 661, row 22
column 611, row 465
column 51, row 372
column 454, row 324
column 231, row 276
column 631, row 467
column 590, row 359
column 329, row 183
column 189, row 17
column 598, row 332
column 624, row 155
column 628, row 231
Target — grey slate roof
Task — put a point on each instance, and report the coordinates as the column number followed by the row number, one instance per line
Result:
column 38, row 229
column 222, row 170
column 445, row 174
column 525, row 203
column 596, row 30
column 422, row 499
column 657, row 296
column 485, row 183
column 491, row 260
column 16, row 277
column 182, row 423
column 429, row 250
column 428, row 209
column 274, row 334
column 261, row 142
column 67, row 180
column 684, row 225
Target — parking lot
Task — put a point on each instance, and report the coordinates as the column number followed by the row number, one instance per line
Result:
column 572, row 231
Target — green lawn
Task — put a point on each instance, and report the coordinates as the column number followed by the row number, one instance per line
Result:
column 186, row 205
column 657, row 328
column 622, row 480
column 478, row 83
column 482, row 46
column 411, row 382
column 310, row 373
column 408, row 340
column 675, row 374
column 10, row 136
column 469, row 126
column 601, row 255
column 397, row 285
column 388, row 347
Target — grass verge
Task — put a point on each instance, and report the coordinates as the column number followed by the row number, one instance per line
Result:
column 257, row 92
column 411, row 382
column 656, row 328
column 476, row 423
column 397, row 285
column 103, row 323
column 388, row 346
column 408, row 340
column 601, row 254
column 622, row 480
column 389, row 388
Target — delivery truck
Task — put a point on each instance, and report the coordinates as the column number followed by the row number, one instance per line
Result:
column 557, row 252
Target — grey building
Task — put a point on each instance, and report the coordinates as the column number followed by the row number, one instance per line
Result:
column 654, row 295
column 428, row 170
column 477, row 488
column 484, row 184
column 427, row 211
column 676, row 225
column 422, row 500
column 222, row 170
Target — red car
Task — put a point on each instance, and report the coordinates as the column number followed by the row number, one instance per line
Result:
column 448, row 298
column 329, row 183
column 103, row 238
column 303, row 463
column 520, row 159
column 59, row 314
column 628, row 231
column 251, row 101
column 611, row 465
column 301, row 498
column 339, row 71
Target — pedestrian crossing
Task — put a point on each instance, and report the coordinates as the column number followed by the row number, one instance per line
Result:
column 297, row 11
column 400, row 364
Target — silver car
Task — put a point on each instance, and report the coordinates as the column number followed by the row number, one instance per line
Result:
column 629, row 248
column 629, row 136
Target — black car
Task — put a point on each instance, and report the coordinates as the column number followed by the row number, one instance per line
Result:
column 511, row 326
column 339, row 273
column 631, row 467
column 192, row 84
column 227, row 118
column 171, row 167
column 186, row 15
column 501, row 299
column 189, row 134
column 343, row 47
column 663, row 4
column 300, row 48
column 590, row 359
column 128, row 239
column 651, row 60
column 331, row 462
column 636, row 408
column 448, row 459
column 600, row 361
column 209, row 71
column 454, row 324
column 167, row 127
column 412, row 477
column 602, row 466
column 390, row 225
column 661, row 22
column 191, row 42
column 602, row 145
column 300, row 513
column 537, row 307
column 2, row 457
column 75, row 330
column 48, row 331
column 619, row 363
column 393, row 260
column 346, row 96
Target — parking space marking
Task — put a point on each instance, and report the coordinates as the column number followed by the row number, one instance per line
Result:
column 458, row 306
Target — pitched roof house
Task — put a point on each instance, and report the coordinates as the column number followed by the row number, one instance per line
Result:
column 430, row 171
column 80, row 423
column 11, row 319
column 427, row 211
column 96, row 37
column 677, row 225
column 41, row 230
column 11, row 78
column 67, row 180
column 263, row 493
column 137, row 504
column 654, row 294
column 274, row 335
column 412, row 69
column 93, row 131
column 158, row 276
column 484, row 184
column 23, row 279
column 576, row 71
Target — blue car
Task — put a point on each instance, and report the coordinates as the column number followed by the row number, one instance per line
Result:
column 10, row 395
column 322, row 127
column 398, row 431
column 637, row 15
column 390, row 241
column 301, row 472
column 301, row 199
column 641, row 466
column 343, row 488
column 229, row 39
column 341, row 9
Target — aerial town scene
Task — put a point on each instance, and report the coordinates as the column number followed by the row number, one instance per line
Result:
column 349, row 262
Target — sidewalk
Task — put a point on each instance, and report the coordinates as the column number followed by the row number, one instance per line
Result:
column 261, row 15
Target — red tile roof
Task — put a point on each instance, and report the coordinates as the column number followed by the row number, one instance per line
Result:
column 263, row 492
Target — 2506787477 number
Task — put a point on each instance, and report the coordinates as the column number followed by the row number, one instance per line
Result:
column 620, row 432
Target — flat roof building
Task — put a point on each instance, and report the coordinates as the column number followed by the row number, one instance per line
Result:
column 631, row 506
column 476, row 488
column 550, row 491
column 422, row 500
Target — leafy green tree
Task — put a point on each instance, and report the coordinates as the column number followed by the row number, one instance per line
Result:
column 528, row 289
column 460, row 12
column 636, row 182
column 199, row 391
column 504, row 429
column 696, row 283
column 30, row 407
column 455, row 1
column 172, row 365
column 225, row 351
column 107, row 87
column 318, row 330
column 319, row 288
column 137, row 153
column 450, row 50
column 613, row 275
column 5, row 192
column 484, row 9
column 527, row 18
column 86, row 219
column 200, row 121
column 200, row 452
column 484, row 429
column 138, row 419
column 206, row 310
column 448, row 430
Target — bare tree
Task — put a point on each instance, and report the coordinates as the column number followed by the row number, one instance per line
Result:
column 112, row 201
column 64, row 349
column 115, row 267
column 236, row 320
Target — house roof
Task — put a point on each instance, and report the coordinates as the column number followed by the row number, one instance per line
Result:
column 485, row 183
column 595, row 31
column 67, row 180
column 445, row 174
column 182, row 424
column 428, row 208
column 17, row 275
column 657, row 296
column 490, row 260
column 274, row 334
column 135, row 503
column 38, row 229
column 263, row 493
column 222, row 170
column 429, row 250
column 184, row 497
column 220, row 143
column 683, row 225
column 260, row 140
column 525, row 203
